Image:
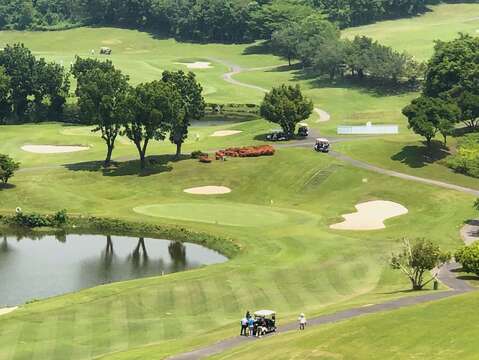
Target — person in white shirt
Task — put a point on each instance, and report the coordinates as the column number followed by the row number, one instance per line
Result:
column 302, row 321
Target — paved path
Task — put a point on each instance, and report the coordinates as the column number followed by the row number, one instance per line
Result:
column 236, row 69
column 445, row 275
column 470, row 231
column 367, row 166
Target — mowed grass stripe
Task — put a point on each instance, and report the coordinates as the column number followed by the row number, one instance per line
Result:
column 137, row 329
column 27, row 334
column 63, row 347
column 100, row 329
column 118, row 325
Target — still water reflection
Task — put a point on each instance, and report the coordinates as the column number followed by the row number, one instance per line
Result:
column 40, row 267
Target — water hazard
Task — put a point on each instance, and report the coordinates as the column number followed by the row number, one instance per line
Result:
column 40, row 267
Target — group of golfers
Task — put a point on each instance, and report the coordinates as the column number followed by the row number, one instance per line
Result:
column 259, row 326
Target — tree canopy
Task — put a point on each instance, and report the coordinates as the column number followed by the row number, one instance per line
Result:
column 198, row 20
column 418, row 258
column 101, row 90
column 286, row 106
column 149, row 110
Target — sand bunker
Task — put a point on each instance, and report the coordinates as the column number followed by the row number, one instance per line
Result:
column 197, row 65
column 208, row 190
column 226, row 132
column 7, row 310
column 53, row 149
column 370, row 215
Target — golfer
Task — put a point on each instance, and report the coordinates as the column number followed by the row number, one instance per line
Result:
column 302, row 321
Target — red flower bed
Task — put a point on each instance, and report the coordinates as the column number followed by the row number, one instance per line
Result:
column 247, row 151
column 205, row 159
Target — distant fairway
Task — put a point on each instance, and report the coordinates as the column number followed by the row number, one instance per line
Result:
column 416, row 35
column 144, row 57
column 232, row 214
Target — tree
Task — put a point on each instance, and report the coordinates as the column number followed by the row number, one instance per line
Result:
column 7, row 168
column 5, row 96
column 452, row 74
column 150, row 109
column 19, row 65
column 194, row 104
column 286, row 106
column 285, row 41
column 329, row 58
column 427, row 116
column 101, row 91
column 414, row 260
column 468, row 257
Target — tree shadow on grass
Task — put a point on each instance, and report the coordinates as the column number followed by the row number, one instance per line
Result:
column 474, row 278
column 416, row 156
column 156, row 165
column 6, row 186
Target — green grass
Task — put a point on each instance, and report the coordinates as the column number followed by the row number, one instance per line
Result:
column 296, row 264
column 143, row 57
column 231, row 214
column 408, row 154
column 416, row 35
column 441, row 330
column 290, row 261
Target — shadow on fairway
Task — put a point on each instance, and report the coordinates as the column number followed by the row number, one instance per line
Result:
column 156, row 165
column 416, row 156
column 6, row 186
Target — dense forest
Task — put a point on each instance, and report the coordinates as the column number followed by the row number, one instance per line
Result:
column 199, row 20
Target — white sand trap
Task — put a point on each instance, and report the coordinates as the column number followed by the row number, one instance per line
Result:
column 197, row 65
column 208, row 190
column 53, row 149
column 226, row 132
column 7, row 310
column 370, row 215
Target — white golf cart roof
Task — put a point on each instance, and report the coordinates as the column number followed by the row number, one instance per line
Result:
column 323, row 140
column 264, row 313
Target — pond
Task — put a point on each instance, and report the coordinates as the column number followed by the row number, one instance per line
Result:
column 41, row 267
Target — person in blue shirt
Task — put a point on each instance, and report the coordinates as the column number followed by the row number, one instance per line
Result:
column 251, row 326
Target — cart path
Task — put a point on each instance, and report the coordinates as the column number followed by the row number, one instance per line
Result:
column 379, row 170
column 446, row 276
column 323, row 116
column 470, row 231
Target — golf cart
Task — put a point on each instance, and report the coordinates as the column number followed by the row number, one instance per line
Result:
column 277, row 135
column 264, row 322
column 303, row 130
column 322, row 145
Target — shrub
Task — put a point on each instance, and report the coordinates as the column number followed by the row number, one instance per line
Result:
column 248, row 151
column 466, row 158
column 33, row 220
column 7, row 168
column 468, row 257
column 197, row 154
column 205, row 159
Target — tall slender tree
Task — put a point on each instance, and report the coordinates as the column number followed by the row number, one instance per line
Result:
column 101, row 91
column 194, row 105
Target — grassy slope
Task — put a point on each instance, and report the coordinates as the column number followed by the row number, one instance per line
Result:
column 442, row 330
column 416, row 35
column 294, row 265
column 306, row 267
column 144, row 57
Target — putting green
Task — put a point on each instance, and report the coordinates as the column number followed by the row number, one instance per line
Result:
column 217, row 213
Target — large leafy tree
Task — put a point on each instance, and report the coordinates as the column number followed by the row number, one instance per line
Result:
column 417, row 259
column 31, row 79
column 453, row 73
column 101, row 92
column 149, row 110
column 194, row 104
column 7, row 168
column 19, row 64
column 5, row 96
column 468, row 257
column 286, row 106
column 427, row 116
column 285, row 41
